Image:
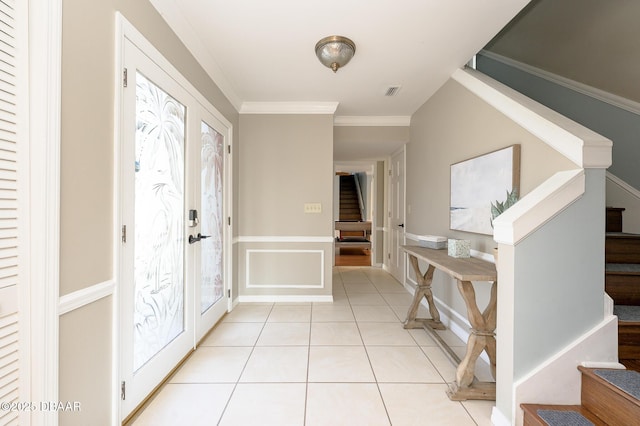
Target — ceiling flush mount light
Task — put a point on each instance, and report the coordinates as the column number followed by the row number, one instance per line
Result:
column 335, row 51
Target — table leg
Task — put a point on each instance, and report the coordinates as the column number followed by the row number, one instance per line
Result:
column 423, row 290
column 482, row 337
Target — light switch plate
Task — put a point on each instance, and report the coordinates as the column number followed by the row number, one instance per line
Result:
column 312, row 207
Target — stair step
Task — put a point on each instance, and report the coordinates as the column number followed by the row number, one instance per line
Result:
column 611, row 394
column 349, row 217
column 628, row 337
column 622, row 248
column 559, row 415
column 349, row 207
column 622, row 283
column 614, row 219
column 627, row 313
column 631, row 364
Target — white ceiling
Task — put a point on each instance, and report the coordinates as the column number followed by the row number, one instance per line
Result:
column 263, row 51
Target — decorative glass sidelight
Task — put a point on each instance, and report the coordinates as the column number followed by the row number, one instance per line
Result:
column 159, row 291
column 212, row 157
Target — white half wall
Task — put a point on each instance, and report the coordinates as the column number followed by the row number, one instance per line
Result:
column 558, row 381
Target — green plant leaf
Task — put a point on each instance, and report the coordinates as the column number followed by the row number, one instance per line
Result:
column 500, row 207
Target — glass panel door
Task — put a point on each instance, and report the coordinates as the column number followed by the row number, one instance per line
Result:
column 155, row 299
column 171, row 287
column 211, row 197
column 210, row 252
column 159, row 221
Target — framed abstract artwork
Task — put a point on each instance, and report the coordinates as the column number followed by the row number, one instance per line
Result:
column 478, row 182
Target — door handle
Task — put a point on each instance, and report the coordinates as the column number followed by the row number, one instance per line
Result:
column 193, row 240
column 401, row 225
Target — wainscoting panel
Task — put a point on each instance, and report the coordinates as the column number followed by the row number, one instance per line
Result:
column 297, row 268
column 277, row 268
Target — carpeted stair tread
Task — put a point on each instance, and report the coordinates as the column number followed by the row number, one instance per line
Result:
column 551, row 415
column 352, row 240
column 564, row 418
column 631, row 268
column 627, row 381
column 627, row 313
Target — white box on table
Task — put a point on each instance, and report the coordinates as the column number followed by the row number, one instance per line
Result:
column 432, row 241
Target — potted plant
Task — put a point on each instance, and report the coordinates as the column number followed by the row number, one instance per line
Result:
column 500, row 207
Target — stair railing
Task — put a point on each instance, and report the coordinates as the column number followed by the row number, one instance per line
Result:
column 360, row 200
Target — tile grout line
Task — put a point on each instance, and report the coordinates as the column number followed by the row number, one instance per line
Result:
column 367, row 314
column 366, row 351
column 235, row 386
column 306, row 387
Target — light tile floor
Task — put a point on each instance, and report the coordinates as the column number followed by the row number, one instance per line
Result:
column 349, row 362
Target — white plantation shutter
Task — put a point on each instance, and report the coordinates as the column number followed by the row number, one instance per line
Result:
column 9, row 279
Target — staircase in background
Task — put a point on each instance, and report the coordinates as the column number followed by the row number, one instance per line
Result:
column 608, row 397
column 349, row 202
column 622, row 283
column 353, row 246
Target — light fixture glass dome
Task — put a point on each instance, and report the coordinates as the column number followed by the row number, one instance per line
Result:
column 335, row 51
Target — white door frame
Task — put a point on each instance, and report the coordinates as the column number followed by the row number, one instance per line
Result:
column 39, row 306
column 400, row 273
column 368, row 167
column 125, row 30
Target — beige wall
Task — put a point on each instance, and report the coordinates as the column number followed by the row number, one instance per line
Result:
column 452, row 126
column 88, row 58
column 590, row 41
column 286, row 161
column 376, row 141
column 85, row 364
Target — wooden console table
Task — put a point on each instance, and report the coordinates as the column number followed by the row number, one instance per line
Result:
column 483, row 325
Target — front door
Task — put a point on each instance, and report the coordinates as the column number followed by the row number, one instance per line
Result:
column 172, row 257
column 209, row 253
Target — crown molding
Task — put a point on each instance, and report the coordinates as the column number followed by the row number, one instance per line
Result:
column 382, row 121
column 171, row 13
column 288, row 107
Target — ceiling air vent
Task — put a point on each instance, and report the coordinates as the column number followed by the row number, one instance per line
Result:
column 392, row 90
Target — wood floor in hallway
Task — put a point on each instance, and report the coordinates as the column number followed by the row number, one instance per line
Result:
column 353, row 257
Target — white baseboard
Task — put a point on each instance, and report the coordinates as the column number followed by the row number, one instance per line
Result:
column 284, row 299
column 498, row 419
column 235, row 302
column 608, row 305
column 557, row 381
column 605, row 364
column 624, row 185
column 601, row 95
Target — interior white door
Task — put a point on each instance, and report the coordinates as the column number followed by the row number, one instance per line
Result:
column 397, row 215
